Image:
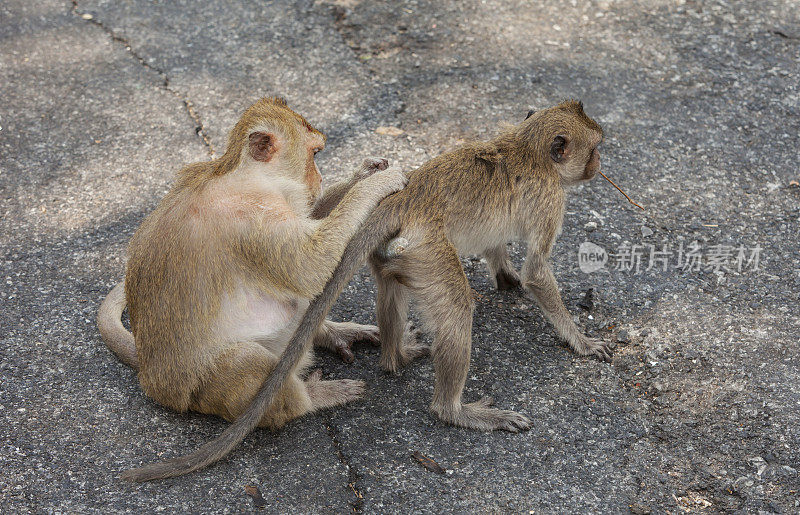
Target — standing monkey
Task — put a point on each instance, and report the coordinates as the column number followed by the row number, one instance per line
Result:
column 471, row 200
column 220, row 274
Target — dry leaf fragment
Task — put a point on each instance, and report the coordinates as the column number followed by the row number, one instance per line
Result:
column 255, row 493
column 428, row 463
column 389, row 131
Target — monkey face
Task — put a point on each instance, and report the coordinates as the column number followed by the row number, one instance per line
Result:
column 592, row 165
column 576, row 159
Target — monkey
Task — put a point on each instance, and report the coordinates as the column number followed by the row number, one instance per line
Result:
column 473, row 199
column 336, row 336
column 221, row 272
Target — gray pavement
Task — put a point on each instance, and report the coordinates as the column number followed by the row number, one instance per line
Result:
column 103, row 101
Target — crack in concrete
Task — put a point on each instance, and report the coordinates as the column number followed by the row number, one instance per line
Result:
column 187, row 104
column 352, row 476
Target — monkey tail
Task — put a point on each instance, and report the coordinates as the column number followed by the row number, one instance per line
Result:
column 378, row 228
column 109, row 322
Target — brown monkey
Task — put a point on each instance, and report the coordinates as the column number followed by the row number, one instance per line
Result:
column 221, row 272
column 337, row 336
column 472, row 200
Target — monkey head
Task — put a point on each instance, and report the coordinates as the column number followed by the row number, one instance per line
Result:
column 566, row 139
column 271, row 136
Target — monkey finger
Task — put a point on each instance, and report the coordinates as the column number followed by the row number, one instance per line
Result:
column 603, row 353
column 520, row 423
column 372, row 165
column 515, row 422
column 381, row 163
column 344, row 352
column 371, row 336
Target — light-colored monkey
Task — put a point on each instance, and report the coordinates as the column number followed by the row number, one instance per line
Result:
column 220, row 274
column 471, row 200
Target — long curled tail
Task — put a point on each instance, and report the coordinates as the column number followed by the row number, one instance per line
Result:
column 378, row 228
column 109, row 322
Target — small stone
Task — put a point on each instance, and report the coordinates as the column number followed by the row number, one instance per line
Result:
column 86, row 16
column 640, row 509
column 646, row 231
column 389, row 131
column 658, row 387
column 587, row 302
column 590, row 226
column 623, row 336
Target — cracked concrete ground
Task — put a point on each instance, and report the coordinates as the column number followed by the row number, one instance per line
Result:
column 700, row 409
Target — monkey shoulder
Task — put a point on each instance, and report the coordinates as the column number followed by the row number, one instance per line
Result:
column 243, row 206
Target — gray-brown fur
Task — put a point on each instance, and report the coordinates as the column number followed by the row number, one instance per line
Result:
column 474, row 200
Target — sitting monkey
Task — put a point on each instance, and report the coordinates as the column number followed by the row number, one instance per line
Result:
column 220, row 274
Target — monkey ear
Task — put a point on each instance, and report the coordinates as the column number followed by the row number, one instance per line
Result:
column 560, row 148
column 530, row 113
column 262, row 146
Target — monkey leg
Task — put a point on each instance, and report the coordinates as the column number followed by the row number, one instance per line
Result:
column 501, row 271
column 399, row 344
column 540, row 281
column 445, row 301
column 236, row 377
column 340, row 336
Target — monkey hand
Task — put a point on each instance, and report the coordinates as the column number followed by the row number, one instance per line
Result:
column 594, row 347
column 386, row 183
column 369, row 166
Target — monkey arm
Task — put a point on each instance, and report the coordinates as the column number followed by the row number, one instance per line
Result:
column 334, row 194
column 331, row 197
column 539, row 280
column 299, row 255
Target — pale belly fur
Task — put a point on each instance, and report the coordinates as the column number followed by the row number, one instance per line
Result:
column 252, row 315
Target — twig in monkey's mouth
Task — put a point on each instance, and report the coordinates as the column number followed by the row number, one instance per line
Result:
column 626, row 196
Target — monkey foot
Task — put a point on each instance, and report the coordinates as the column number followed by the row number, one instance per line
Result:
column 480, row 415
column 327, row 394
column 594, row 347
column 341, row 337
column 410, row 349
